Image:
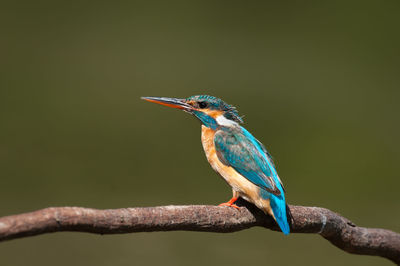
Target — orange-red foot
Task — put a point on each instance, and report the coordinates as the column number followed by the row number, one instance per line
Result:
column 230, row 203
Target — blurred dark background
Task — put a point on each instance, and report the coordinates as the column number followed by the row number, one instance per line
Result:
column 318, row 83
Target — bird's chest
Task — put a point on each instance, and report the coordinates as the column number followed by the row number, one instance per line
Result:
column 207, row 139
column 233, row 178
column 239, row 184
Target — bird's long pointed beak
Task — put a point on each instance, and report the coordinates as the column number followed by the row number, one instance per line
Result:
column 171, row 102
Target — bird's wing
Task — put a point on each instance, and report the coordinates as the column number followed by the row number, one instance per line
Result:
column 271, row 159
column 240, row 150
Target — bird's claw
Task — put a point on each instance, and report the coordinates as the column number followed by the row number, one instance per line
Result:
column 228, row 204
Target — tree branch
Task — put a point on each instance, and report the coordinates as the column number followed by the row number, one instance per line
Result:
column 338, row 230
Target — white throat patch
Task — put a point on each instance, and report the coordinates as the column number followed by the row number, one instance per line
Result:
column 223, row 121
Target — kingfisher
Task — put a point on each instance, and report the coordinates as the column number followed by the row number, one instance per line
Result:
column 238, row 157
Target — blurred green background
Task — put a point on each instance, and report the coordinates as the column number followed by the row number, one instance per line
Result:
column 317, row 81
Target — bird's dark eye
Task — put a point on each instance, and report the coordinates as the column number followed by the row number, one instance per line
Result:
column 202, row 105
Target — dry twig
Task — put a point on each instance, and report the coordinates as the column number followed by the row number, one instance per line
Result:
column 338, row 230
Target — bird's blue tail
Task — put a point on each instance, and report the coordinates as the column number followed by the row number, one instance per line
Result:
column 278, row 206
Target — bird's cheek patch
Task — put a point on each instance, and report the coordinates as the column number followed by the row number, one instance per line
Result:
column 213, row 113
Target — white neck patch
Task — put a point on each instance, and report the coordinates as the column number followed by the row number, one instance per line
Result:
column 223, row 121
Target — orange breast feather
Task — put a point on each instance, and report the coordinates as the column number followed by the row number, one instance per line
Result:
column 239, row 184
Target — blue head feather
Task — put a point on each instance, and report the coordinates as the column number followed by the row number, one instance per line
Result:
column 214, row 103
column 207, row 120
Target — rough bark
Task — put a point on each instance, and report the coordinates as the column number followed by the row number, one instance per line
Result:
column 338, row 230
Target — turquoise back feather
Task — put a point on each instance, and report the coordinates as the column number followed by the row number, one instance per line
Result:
column 278, row 202
column 238, row 148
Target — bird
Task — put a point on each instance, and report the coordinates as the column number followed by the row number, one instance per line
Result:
column 236, row 155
